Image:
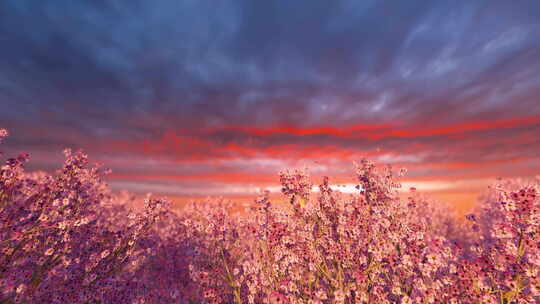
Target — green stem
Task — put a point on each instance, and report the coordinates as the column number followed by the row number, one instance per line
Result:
column 230, row 279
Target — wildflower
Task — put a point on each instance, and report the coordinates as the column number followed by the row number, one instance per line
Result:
column 105, row 253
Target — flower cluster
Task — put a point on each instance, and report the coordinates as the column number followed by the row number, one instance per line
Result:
column 336, row 249
column 506, row 255
column 56, row 244
column 66, row 238
column 3, row 134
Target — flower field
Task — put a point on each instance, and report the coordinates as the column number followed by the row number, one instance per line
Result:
column 67, row 238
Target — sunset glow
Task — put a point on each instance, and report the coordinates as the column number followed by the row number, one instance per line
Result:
column 174, row 110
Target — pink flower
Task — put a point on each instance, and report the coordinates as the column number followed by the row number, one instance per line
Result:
column 277, row 298
column 3, row 134
column 105, row 253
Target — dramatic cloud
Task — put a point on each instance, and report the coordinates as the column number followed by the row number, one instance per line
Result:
column 183, row 96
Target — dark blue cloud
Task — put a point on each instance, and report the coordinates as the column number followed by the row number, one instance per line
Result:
column 146, row 66
column 146, row 86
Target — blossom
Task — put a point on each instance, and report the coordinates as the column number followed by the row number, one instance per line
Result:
column 105, row 253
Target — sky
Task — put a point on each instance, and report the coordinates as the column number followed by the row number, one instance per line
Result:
column 195, row 98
